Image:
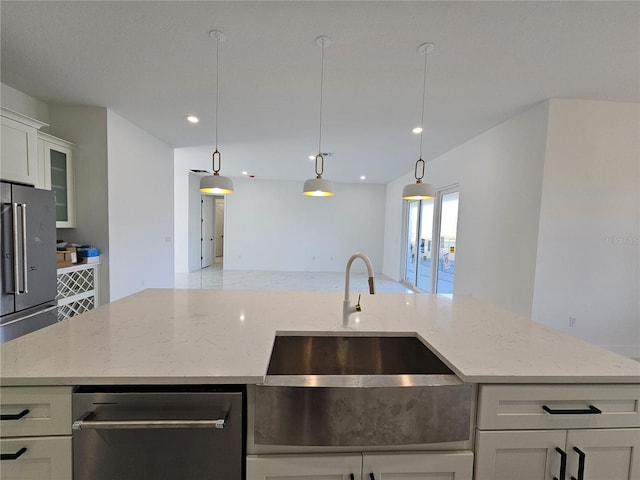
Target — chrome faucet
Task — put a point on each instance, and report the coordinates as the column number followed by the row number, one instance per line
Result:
column 347, row 309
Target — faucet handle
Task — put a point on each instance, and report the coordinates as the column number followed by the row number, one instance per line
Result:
column 358, row 308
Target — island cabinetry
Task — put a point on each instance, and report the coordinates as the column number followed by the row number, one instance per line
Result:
column 55, row 157
column 366, row 466
column 35, row 430
column 585, row 432
column 19, row 156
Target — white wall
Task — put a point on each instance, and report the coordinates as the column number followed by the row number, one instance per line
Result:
column 185, row 159
column 270, row 225
column 140, row 182
column 500, row 179
column 589, row 240
column 87, row 128
column 133, row 228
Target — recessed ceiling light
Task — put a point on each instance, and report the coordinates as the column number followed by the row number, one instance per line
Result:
column 312, row 157
column 245, row 173
column 193, row 119
column 417, row 130
column 362, row 177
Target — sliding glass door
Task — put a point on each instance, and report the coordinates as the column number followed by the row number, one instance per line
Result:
column 431, row 242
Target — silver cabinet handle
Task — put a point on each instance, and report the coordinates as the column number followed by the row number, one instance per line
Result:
column 83, row 424
column 25, row 263
column 16, row 262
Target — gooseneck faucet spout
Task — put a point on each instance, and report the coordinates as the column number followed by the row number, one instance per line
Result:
column 347, row 309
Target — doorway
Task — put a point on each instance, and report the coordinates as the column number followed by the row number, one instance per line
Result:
column 211, row 230
column 219, row 229
column 430, row 242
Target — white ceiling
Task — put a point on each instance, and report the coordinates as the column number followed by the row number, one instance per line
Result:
column 153, row 63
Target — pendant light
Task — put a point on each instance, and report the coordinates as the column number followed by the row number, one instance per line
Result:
column 419, row 190
column 216, row 184
column 319, row 187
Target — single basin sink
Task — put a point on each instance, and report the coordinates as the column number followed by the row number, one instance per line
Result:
column 359, row 391
column 353, row 355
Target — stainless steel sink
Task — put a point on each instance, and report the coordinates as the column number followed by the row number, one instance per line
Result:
column 359, row 390
column 351, row 355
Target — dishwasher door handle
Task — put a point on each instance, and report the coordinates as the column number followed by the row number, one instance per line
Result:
column 84, row 424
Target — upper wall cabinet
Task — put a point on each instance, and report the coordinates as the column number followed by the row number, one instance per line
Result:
column 56, row 173
column 19, row 160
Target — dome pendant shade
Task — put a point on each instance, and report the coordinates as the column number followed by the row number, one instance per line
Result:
column 216, row 184
column 418, row 191
column 318, row 187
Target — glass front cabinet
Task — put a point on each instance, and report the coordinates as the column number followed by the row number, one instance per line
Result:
column 56, row 174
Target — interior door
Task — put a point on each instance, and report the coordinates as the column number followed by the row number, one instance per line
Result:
column 219, row 227
column 206, row 231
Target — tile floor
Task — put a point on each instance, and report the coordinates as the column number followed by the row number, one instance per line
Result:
column 215, row 278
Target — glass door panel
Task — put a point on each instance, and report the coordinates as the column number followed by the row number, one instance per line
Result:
column 447, row 247
column 59, row 184
column 423, row 279
column 412, row 234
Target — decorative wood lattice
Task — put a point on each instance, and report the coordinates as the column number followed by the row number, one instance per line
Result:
column 75, row 308
column 75, row 282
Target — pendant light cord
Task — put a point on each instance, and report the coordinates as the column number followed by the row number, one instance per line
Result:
column 321, row 88
column 217, row 90
column 424, row 92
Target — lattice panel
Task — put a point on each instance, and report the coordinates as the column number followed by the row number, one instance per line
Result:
column 75, row 308
column 75, row 282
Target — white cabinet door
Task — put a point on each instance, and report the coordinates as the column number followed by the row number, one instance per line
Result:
column 309, row 467
column 18, row 157
column 608, row 454
column 56, row 159
column 519, row 454
column 38, row 458
column 418, row 466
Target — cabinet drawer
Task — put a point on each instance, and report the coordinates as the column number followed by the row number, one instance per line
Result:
column 309, row 467
column 43, row 458
column 504, row 407
column 49, row 411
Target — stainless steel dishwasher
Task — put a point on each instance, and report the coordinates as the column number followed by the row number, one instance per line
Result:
column 159, row 433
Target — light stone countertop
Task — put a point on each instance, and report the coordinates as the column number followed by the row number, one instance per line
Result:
column 164, row 336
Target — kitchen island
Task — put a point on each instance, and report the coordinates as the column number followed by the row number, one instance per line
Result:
column 207, row 337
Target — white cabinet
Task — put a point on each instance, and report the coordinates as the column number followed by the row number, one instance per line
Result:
column 19, row 157
column 57, row 174
column 311, row 467
column 44, row 458
column 538, row 455
column 368, row 466
column 431, row 465
column 569, row 431
column 35, row 433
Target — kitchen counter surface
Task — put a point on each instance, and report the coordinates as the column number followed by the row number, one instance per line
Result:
column 163, row 336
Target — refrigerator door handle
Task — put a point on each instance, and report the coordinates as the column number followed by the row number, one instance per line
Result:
column 46, row 309
column 16, row 260
column 25, row 263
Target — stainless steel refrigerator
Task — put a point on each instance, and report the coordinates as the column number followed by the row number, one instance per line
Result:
column 28, row 263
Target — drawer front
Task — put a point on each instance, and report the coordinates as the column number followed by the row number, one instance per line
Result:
column 43, row 458
column 505, row 407
column 49, row 411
